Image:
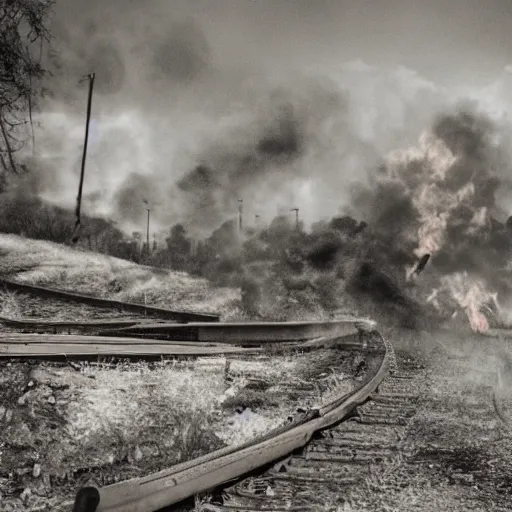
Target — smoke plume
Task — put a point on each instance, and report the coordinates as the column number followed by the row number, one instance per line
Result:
column 194, row 113
column 183, row 116
column 440, row 199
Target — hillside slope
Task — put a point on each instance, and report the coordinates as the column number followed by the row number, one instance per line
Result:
column 58, row 266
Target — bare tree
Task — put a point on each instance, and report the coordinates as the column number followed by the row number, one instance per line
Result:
column 23, row 33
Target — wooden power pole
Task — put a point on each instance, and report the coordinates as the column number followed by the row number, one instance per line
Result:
column 82, row 171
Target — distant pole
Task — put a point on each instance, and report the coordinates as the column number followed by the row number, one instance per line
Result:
column 82, row 172
column 240, row 214
column 296, row 210
column 257, row 220
column 147, row 233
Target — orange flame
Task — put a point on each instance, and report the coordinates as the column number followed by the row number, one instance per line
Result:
column 477, row 319
column 471, row 295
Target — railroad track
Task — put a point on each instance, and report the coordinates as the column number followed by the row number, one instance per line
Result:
column 336, row 461
column 173, row 485
column 85, row 306
column 304, row 454
column 177, row 483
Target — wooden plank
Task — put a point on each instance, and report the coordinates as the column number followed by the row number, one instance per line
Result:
column 98, row 324
column 70, row 339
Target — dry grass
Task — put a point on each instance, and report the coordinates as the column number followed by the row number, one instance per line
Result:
column 9, row 304
column 124, row 421
column 133, row 419
column 59, row 266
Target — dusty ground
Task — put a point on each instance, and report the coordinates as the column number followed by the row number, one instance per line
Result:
column 64, row 426
column 58, row 419
column 58, row 266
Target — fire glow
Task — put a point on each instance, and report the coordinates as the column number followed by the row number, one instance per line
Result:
column 425, row 171
column 472, row 296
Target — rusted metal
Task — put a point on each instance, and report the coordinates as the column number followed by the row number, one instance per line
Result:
column 75, row 346
column 39, row 324
column 323, row 464
column 87, row 500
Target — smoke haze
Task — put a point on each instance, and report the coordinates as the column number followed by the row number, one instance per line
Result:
column 198, row 104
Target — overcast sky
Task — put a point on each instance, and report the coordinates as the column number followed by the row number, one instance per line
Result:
column 444, row 40
column 176, row 77
column 447, row 41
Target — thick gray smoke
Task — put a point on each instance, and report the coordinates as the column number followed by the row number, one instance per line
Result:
column 193, row 112
column 181, row 118
column 442, row 199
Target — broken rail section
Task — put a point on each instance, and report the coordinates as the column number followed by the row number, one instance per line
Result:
column 173, row 485
column 246, row 333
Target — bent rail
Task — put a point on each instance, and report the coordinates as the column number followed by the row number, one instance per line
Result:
column 180, row 316
column 58, row 346
column 179, row 482
column 190, row 340
column 244, row 333
column 36, row 323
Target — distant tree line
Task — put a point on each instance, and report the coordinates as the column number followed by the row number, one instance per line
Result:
column 32, row 217
column 272, row 265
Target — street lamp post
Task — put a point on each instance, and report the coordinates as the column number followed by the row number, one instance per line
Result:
column 145, row 201
column 240, row 214
column 147, row 232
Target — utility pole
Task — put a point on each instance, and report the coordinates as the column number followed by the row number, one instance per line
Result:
column 240, row 214
column 82, row 171
column 296, row 210
column 147, row 233
column 257, row 221
column 148, row 249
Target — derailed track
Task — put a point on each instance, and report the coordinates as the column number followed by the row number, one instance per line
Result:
column 173, row 485
column 336, row 464
column 198, row 339
column 38, row 346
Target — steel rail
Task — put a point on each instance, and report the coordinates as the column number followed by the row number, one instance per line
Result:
column 247, row 333
column 40, row 323
column 198, row 340
column 71, row 346
column 170, row 486
column 180, row 316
